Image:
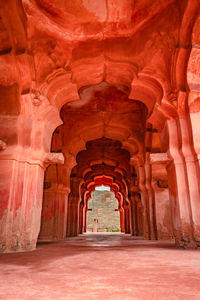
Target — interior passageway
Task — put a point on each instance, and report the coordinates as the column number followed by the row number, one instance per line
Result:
column 101, row 266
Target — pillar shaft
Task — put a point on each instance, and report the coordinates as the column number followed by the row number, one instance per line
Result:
column 81, row 218
column 127, row 218
column 180, row 193
column 54, row 215
column 21, row 202
column 72, row 217
column 144, row 195
column 121, row 214
column 132, row 215
column 85, row 219
column 151, row 200
column 193, row 176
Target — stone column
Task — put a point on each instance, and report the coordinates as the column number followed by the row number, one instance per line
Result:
column 159, row 162
column 85, row 218
column 192, row 160
column 132, row 213
column 121, row 215
column 81, row 217
column 23, row 161
column 55, row 202
column 73, row 208
column 54, row 214
column 127, row 217
column 138, row 229
column 148, row 184
column 144, row 196
column 179, row 191
column 21, row 188
column 133, row 190
column 139, row 217
column 151, row 199
column 72, row 216
column 135, row 232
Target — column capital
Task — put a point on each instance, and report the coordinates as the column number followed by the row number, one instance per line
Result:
column 160, row 158
column 54, row 158
column 137, row 160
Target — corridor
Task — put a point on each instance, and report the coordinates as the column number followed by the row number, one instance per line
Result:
column 101, row 266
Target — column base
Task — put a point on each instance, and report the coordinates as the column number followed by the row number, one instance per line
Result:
column 17, row 247
column 186, row 244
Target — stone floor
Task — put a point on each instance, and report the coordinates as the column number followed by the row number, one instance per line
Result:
column 101, row 266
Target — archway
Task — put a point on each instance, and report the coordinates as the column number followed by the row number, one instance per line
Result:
column 102, row 213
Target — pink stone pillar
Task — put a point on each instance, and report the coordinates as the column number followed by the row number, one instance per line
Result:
column 195, row 117
column 75, row 224
column 21, row 188
column 148, row 184
column 193, row 177
column 121, row 214
column 54, row 214
column 85, row 219
column 73, row 208
column 133, row 190
column 127, row 218
column 135, row 218
column 144, row 194
column 69, row 229
column 81, row 218
column 138, row 215
column 22, row 166
column 138, row 229
column 72, row 217
column 193, row 161
column 180, row 195
column 132, row 214
column 151, row 199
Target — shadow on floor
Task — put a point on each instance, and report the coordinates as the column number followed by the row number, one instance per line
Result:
column 47, row 252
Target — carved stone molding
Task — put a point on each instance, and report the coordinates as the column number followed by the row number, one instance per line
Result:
column 3, row 145
column 159, row 158
column 54, row 158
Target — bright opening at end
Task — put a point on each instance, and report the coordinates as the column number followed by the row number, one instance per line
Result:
column 102, row 188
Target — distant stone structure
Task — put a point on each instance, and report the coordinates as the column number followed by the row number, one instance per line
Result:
column 103, row 215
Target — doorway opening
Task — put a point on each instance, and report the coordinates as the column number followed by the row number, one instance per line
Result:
column 103, row 213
